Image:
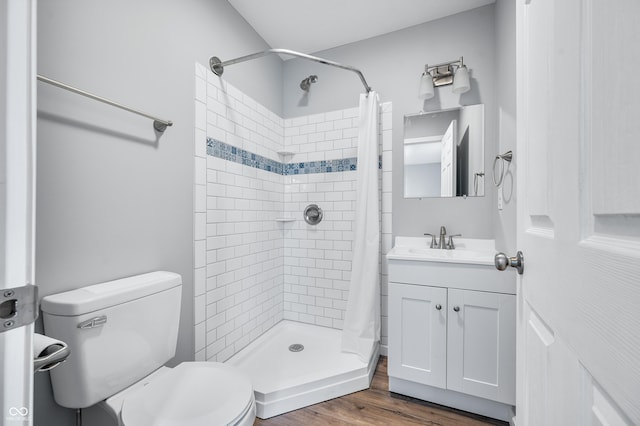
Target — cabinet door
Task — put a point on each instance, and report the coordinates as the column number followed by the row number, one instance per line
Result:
column 417, row 333
column 481, row 344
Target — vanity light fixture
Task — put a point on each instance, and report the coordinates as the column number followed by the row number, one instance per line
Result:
column 454, row 72
column 426, row 85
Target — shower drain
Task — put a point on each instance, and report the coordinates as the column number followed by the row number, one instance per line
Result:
column 296, row 347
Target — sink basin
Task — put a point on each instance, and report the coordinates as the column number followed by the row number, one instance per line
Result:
column 469, row 251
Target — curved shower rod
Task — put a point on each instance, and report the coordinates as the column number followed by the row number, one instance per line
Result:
column 217, row 66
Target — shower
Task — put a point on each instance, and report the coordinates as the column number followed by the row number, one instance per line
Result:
column 281, row 333
column 306, row 83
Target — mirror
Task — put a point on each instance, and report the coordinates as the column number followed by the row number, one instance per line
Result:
column 444, row 153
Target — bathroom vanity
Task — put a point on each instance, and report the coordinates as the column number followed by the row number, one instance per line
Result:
column 452, row 326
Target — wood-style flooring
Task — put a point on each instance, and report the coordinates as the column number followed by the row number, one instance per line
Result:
column 377, row 406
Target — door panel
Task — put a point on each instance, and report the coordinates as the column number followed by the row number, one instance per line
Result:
column 582, row 248
column 537, row 67
column 611, row 121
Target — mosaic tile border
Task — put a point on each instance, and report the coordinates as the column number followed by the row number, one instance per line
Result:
column 228, row 152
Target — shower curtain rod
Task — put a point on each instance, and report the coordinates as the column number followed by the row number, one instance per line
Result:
column 217, row 66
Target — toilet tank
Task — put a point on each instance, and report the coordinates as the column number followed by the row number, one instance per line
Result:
column 118, row 331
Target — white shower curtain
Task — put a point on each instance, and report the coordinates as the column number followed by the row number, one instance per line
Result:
column 361, row 329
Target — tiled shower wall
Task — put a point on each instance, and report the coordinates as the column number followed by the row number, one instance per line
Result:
column 317, row 264
column 238, row 245
column 252, row 270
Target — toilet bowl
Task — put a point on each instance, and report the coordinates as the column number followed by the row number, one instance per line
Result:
column 191, row 394
column 121, row 333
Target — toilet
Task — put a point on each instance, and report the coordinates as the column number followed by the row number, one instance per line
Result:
column 121, row 333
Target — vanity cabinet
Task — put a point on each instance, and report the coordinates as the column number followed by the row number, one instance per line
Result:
column 418, row 333
column 452, row 335
column 454, row 339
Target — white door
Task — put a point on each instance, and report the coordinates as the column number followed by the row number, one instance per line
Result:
column 481, row 339
column 578, row 160
column 448, row 162
column 418, row 333
column 17, row 165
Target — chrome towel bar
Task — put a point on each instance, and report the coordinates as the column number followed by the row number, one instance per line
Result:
column 158, row 124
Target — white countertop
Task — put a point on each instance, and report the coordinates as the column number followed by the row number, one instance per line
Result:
column 468, row 251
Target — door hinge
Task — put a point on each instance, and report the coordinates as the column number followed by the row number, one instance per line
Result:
column 18, row 307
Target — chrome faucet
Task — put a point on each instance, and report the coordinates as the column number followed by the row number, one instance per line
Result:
column 442, row 244
column 450, row 245
column 443, row 235
column 433, row 241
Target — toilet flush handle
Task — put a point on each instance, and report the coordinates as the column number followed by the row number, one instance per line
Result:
column 94, row 322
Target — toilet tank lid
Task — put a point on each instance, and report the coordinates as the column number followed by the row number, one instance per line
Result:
column 100, row 296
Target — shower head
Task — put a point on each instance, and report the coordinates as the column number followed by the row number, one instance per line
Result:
column 306, row 83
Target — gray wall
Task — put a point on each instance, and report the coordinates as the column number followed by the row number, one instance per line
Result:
column 505, row 220
column 392, row 65
column 113, row 199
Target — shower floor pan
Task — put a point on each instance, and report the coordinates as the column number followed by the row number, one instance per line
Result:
column 285, row 380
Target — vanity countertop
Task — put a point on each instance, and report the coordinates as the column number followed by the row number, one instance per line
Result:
column 468, row 251
column 469, row 266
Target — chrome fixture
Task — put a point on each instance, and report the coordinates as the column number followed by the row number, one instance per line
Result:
column 94, row 322
column 442, row 244
column 313, row 214
column 217, row 66
column 506, row 157
column 158, row 124
column 18, row 307
column 475, row 181
column 433, row 244
column 450, row 245
column 306, row 83
column 443, row 235
column 51, row 357
column 453, row 72
column 501, row 261
column 296, row 347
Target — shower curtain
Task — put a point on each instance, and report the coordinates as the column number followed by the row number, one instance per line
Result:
column 361, row 327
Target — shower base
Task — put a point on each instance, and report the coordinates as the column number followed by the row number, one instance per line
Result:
column 285, row 380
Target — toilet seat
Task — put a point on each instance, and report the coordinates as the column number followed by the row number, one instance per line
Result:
column 192, row 394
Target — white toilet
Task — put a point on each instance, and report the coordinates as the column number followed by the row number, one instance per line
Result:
column 121, row 333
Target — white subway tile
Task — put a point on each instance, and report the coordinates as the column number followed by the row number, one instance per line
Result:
column 299, row 121
column 200, row 115
column 324, row 127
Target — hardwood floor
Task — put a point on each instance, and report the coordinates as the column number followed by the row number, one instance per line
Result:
column 377, row 406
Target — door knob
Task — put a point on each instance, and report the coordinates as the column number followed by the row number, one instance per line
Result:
column 456, row 308
column 438, row 306
column 502, row 261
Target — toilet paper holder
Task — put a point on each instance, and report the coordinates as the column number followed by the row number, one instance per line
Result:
column 51, row 356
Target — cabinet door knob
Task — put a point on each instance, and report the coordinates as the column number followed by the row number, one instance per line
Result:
column 438, row 306
column 456, row 308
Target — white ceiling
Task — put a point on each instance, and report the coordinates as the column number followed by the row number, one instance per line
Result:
column 309, row 26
